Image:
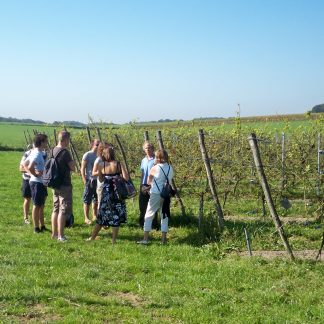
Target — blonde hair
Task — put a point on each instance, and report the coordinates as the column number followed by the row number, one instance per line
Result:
column 162, row 156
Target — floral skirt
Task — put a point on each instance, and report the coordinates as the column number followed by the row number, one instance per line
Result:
column 112, row 212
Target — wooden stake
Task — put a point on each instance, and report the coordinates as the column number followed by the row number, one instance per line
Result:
column 99, row 134
column 123, row 152
column 55, row 136
column 26, row 139
column 160, row 140
column 146, row 136
column 210, row 177
column 89, row 136
column 248, row 243
column 320, row 250
column 73, row 151
column 264, row 183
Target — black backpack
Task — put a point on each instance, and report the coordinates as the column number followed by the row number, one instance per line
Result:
column 166, row 191
column 51, row 176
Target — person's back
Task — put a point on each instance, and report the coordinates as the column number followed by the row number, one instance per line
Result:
column 62, row 196
column 63, row 158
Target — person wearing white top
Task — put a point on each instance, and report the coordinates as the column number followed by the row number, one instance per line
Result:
column 34, row 166
column 157, row 177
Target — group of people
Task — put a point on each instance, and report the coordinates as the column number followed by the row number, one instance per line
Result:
column 99, row 171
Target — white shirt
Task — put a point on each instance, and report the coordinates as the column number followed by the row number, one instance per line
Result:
column 37, row 156
column 160, row 178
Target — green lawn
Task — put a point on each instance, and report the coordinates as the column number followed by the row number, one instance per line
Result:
column 189, row 280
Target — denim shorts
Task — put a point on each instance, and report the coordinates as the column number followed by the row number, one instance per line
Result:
column 38, row 193
column 90, row 192
column 25, row 189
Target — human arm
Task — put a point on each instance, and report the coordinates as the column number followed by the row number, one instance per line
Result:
column 83, row 168
column 124, row 172
column 71, row 165
column 29, row 167
column 151, row 176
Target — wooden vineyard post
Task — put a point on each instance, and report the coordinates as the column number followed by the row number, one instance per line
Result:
column 248, row 242
column 160, row 140
column 89, row 136
column 74, row 154
column 27, row 143
column 211, row 181
column 283, row 162
column 179, row 200
column 55, row 137
column 30, row 139
column 319, row 171
column 99, row 134
column 201, row 209
column 146, row 136
column 264, row 183
column 123, row 153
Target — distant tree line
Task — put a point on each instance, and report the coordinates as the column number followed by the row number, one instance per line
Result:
column 318, row 109
column 22, row 121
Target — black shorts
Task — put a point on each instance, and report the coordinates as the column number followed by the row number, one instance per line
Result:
column 25, row 189
column 38, row 193
column 90, row 192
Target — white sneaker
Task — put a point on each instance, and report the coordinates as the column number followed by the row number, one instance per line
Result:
column 143, row 242
column 26, row 221
column 62, row 239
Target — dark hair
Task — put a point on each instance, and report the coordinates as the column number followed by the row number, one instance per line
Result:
column 108, row 154
column 39, row 139
column 162, row 156
column 62, row 135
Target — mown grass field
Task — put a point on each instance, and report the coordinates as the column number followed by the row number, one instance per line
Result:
column 190, row 280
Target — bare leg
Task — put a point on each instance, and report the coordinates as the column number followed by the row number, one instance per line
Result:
column 94, row 210
column 26, row 207
column 54, row 225
column 86, row 213
column 114, row 234
column 35, row 214
column 60, row 225
column 95, row 231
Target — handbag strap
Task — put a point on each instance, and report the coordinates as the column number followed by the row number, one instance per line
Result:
column 166, row 177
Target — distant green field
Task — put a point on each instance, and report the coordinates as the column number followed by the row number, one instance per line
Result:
column 12, row 135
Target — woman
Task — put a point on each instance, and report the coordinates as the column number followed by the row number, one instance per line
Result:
column 99, row 164
column 161, row 171
column 112, row 212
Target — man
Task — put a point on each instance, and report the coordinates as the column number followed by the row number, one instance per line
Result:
column 90, row 182
column 144, row 194
column 62, row 196
column 25, row 187
column 34, row 166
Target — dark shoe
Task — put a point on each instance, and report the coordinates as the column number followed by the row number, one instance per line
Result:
column 37, row 230
column 43, row 228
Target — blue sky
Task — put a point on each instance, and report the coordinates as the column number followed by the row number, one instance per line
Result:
column 126, row 60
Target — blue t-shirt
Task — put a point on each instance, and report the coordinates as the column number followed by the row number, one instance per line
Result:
column 146, row 167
